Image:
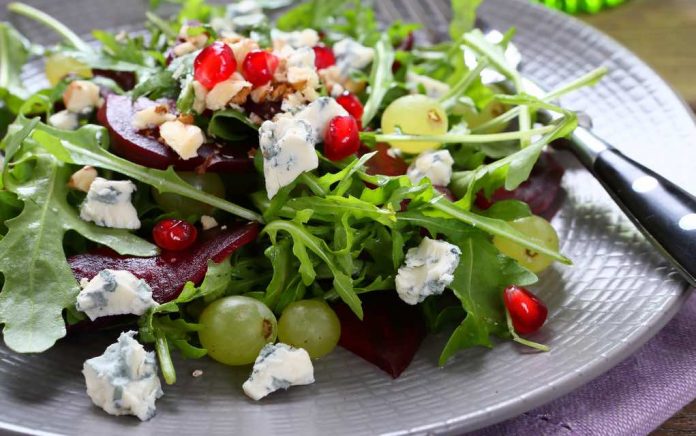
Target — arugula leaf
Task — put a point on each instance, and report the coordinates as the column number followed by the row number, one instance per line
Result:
column 463, row 17
column 86, row 146
column 281, row 258
column 313, row 14
column 303, row 239
column 332, row 207
column 38, row 281
column 232, row 125
column 507, row 210
column 479, row 279
column 14, row 52
column 381, row 78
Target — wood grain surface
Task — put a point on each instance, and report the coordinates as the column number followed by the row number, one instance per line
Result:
column 663, row 34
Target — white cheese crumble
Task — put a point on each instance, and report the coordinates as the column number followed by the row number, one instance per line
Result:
column 114, row 292
column 242, row 48
column 184, row 139
column 65, row 120
column 278, row 366
column 200, row 93
column 208, row 222
column 301, row 69
column 222, row 93
column 319, row 113
column 296, row 39
column 351, row 55
column 287, row 145
column 433, row 88
column 428, row 269
column 435, row 165
column 81, row 96
column 123, row 380
column 82, row 179
column 152, row 116
column 108, row 204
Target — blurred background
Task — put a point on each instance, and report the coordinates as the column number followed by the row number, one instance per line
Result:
column 661, row 32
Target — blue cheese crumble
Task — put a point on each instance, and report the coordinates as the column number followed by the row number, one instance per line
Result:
column 287, row 146
column 433, row 88
column 351, row 55
column 108, row 204
column 123, row 380
column 435, row 165
column 319, row 113
column 428, row 269
column 278, row 366
column 114, row 292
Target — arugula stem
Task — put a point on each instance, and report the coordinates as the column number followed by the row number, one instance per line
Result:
column 450, row 99
column 41, row 17
column 160, row 24
column 165, row 359
column 451, row 138
column 380, row 78
column 310, row 181
column 494, row 227
column 523, row 341
column 585, row 80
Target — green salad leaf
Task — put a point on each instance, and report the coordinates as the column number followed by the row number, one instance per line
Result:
column 38, row 281
column 463, row 17
column 14, row 53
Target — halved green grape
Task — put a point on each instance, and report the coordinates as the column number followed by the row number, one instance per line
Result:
column 415, row 115
column 536, row 228
column 59, row 65
column 234, row 329
column 310, row 324
column 491, row 110
column 207, row 182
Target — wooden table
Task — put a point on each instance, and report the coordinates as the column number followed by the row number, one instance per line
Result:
column 663, row 34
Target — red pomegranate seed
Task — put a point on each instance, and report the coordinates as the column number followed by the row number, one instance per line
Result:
column 173, row 234
column 352, row 105
column 214, row 64
column 323, row 57
column 342, row 138
column 259, row 66
column 528, row 313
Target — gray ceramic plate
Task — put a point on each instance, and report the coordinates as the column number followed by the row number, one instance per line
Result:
column 618, row 294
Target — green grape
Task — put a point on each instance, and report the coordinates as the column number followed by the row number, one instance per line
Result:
column 59, row 65
column 310, row 324
column 536, row 228
column 234, row 329
column 415, row 115
column 207, row 182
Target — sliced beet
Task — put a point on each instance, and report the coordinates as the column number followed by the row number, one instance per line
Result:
column 124, row 79
column 384, row 162
column 542, row 191
column 389, row 334
column 168, row 273
column 142, row 147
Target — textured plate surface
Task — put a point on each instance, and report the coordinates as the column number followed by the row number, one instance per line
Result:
column 618, row 294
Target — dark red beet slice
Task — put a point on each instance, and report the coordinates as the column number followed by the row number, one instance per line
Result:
column 384, row 163
column 389, row 334
column 116, row 114
column 124, row 79
column 168, row 273
column 542, row 191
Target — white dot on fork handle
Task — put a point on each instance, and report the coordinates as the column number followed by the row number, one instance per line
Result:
column 644, row 184
column 688, row 222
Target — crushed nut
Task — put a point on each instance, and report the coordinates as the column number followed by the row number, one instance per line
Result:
column 82, row 179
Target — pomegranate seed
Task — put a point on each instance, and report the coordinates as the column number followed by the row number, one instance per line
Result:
column 259, row 66
column 323, row 57
column 342, row 138
column 173, row 234
column 352, row 105
column 528, row 313
column 214, row 64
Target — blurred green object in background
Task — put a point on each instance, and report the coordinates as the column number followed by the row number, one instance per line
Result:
column 581, row 6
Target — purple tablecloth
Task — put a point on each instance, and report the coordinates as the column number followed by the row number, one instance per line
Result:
column 633, row 398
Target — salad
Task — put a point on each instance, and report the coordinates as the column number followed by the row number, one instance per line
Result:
column 257, row 191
